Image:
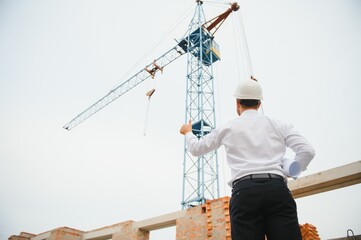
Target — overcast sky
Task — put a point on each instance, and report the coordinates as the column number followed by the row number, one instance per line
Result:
column 59, row 57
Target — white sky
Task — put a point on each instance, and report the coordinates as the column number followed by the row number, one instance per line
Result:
column 59, row 57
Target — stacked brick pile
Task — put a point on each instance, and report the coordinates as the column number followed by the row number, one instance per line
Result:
column 309, row 232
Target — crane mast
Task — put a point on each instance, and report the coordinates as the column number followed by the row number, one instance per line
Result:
column 200, row 174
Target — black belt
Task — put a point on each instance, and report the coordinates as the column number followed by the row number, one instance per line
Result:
column 258, row 176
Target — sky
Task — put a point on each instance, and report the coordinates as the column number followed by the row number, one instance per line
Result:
column 59, row 57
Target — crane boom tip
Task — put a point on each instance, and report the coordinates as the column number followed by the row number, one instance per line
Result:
column 234, row 6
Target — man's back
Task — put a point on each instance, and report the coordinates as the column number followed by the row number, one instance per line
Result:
column 254, row 144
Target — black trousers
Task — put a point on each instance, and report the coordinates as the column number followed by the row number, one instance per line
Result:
column 263, row 207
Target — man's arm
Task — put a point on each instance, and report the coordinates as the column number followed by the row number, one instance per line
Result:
column 302, row 148
column 198, row 147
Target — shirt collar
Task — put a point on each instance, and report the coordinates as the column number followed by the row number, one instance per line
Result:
column 250, row 113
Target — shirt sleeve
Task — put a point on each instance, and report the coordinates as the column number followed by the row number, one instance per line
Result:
column 301, row 147
column 198, row 147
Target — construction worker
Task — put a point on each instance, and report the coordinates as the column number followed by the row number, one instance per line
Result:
column 261, row 203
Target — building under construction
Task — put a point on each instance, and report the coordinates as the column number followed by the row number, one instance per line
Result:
column 210, row 220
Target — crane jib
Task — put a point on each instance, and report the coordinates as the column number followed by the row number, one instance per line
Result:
column 149, row 71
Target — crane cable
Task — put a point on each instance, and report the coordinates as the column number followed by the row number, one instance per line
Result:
column 245, row 46
column 149, row 94
column 172, row 28
column 243, row 61
column 240, row 36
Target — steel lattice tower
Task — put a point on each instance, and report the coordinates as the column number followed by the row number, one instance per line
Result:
column 200, row 174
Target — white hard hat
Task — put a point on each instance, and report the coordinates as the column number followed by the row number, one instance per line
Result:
column 248, row 89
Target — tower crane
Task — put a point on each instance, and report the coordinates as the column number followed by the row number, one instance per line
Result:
column 200, row 174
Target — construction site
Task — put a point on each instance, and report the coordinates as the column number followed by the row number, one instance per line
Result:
column 205, row 213
column 210, row 220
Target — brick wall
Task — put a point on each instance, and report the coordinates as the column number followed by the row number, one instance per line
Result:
column 65, row 233
column 209, row 221
column 22, row 236
column 127, row 232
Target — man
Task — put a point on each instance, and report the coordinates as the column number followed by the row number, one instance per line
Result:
column 261, row 204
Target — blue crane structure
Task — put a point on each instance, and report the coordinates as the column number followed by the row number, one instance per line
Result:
column 200, row 174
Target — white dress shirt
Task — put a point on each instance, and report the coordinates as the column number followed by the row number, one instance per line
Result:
column 254, row 143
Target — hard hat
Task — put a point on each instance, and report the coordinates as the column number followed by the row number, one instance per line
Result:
column 248, row 89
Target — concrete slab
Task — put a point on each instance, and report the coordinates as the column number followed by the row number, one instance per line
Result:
column 104, row 233
column 163, row 221
column 331, row 179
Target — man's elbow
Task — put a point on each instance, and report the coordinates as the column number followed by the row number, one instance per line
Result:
column 310, row 151
column 305, row 156
column 194, row 152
